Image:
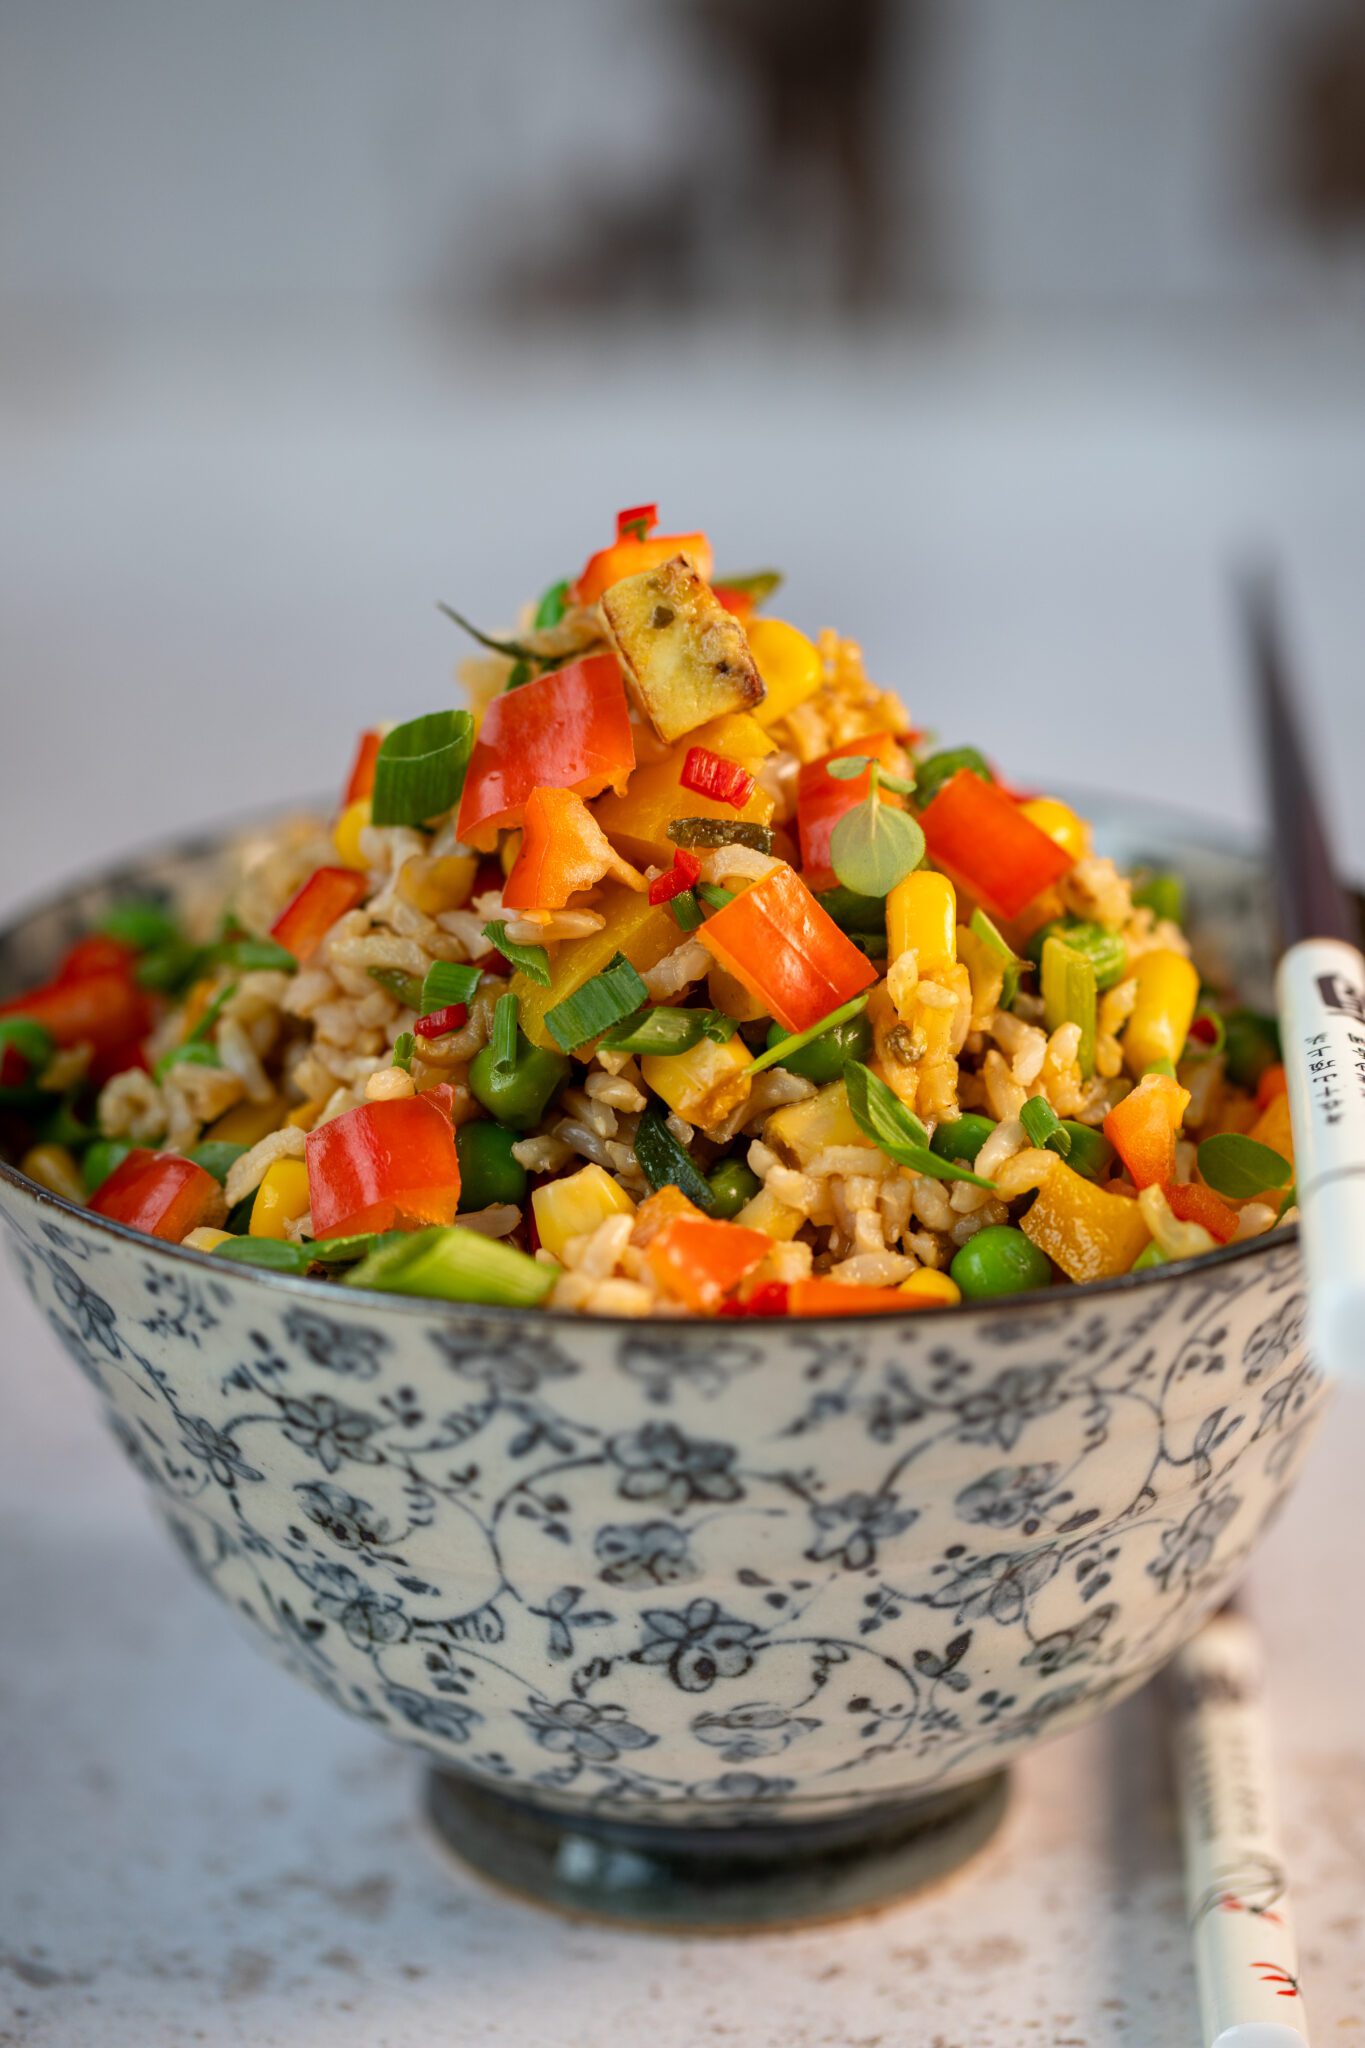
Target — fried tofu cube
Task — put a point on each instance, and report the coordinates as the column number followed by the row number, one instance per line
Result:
column 685, row 658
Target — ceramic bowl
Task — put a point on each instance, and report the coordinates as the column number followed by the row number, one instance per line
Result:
column 700, row 1622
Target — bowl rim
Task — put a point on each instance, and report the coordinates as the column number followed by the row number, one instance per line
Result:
column 1044, row 1300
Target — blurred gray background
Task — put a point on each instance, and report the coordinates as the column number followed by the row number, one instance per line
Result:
column 1005, row 326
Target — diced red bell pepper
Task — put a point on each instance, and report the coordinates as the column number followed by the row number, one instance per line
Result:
column 158, row 1192
column 787, row 951
column 839, row 1298
column 569, row 729
column 106, row 1061
column 438, row 1023
column 768, row 1298
column 634, row 551
column 385, row 1166
column 821, row 800
column 327, row 895
column 685, row 871
column 1142, row 1129
column 710, row 774
column 737, row 601
column 563, row 851
column 104, row 1010
column 99, row 954
column 360, row 782
column 1192, row 1202
column 979, row 834
column 699, row 1259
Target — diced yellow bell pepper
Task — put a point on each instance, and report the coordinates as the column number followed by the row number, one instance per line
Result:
column 575, row 1205
column 281, row 1198
column 1060, row 823
column 930, row 1286
column 729, row 995
column 637, row 822
column 703, row 1084
column 206, row 1240
column 764, row 1211
column 246, row 1123
column 1272, row 1127
column 642, row 930
column 54, row 1168
column 921, row 912
column 433, row 883
column 802, row 1129
column 789, row 664
column 1087, row 1231
column 346, row 833
column 986, row 972
column 1160, row 1019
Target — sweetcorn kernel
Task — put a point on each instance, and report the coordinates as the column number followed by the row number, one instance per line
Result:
column 281, row 1198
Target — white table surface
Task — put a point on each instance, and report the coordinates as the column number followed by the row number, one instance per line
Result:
column 215, row 562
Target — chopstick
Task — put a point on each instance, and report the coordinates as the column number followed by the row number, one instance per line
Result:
column 1235, row 1886
column 1320, row 994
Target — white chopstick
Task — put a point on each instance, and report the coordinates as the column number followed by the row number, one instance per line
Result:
column 1235, row 1885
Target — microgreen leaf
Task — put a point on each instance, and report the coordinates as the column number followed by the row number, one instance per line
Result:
column 1241, row 1167
column 874, row 846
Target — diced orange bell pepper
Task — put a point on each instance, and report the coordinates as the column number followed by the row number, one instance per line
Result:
column 658, row 1209
column 821, row 800
column 563, row 849
column 637, row 821
column 637, row 548
column 787, row 951
column 360, row 782
column 1192, row 1202
column 385, row 1166
column 1272, row 1127
column 1142, row 1129
column 1271, row 1084
column 569, row 729
column 699, row 1260
column 839, row 1298
column 980, row 835
column 1090, row 1232
column 327, row 895
column 158, row 1192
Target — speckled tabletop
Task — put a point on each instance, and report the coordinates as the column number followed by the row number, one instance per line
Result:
column 193, row 1849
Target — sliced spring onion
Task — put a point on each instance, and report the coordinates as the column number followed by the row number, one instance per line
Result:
column 1252, row 1045
column 504, row 1037
column 936, row 769
column 611, row 995
column 140, row 923
column 516, row 648
column 1068, row 980
column 1240, row 1167
column 420, row 768
column 404, row 1046
column 404, row 988
column 714, row 895
column 1091, row 1153
column 30, row 1039
column 1045, row 1127
column 169, row 968
column 686, row 910
column 1198, row 1046
column 345, row 1251
column 532, row 961
column 552, row 607
column 216, row 1156
column 855, row 914
column 446, row 984
column 720, row 832
column 192, row 1054
column 665, row 1163
column 785, row 1047
column 896, row 1130
column 255, row 956
column 274, row 1253
column 1001, row 950
column 452, row 1264
column 666, row 1031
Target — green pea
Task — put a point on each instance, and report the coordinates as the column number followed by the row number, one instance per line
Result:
column 1105, row 951
column 520, row 1098
column 1091, row 1152
column 1151, row 1256
column 1252, row 1044
column 101, row 1159
column 852, row 912
column 217, row 1156
column 488, row 1172
column 999, row 1260
column 936, row 769
column 733, row 1185
column 825, row 1058
column 961, row 1138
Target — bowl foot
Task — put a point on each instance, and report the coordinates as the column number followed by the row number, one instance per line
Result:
column 724, row 1879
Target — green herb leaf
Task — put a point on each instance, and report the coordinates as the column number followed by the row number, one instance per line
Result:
column 686, row 910
column 420, row 768
column 936, row 769
column 29, row 1038
column 505, row 1034
column 720, row 832
column 848, row 767
column 516, row 648
column 874, row 846
column 785, row 1047
column 757, row 587
column 1045, row 1127
column 404, row 988
column 665, row 1163
column 1241, row 1167
column 447, row 983
column 897, row 1131
column 217, row 1157
column 519, row 673
column 1068, row 980
column 552, row 607
column 404, row 1046
column 601, row 1002
column 532, row 961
